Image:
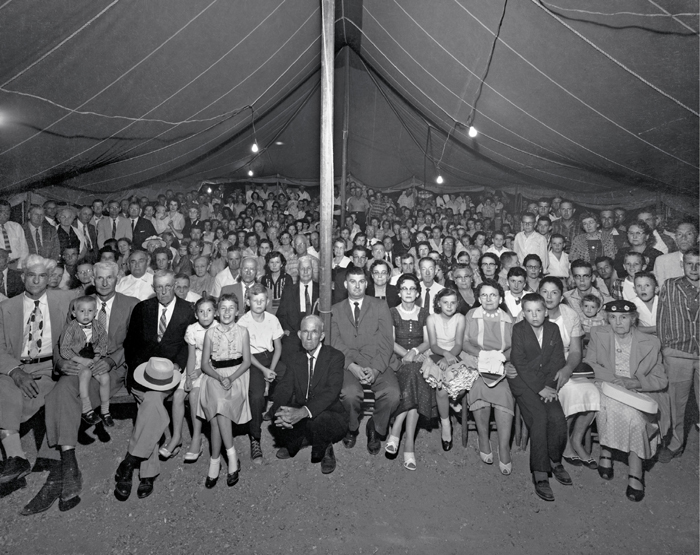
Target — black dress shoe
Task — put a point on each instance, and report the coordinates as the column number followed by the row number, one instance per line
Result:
column 210, row 482
column 373, row 442
column 49, row 492
column 72, row 479
column 107, row 420
column 15, row 468
column 145, row 488
column 635, row 495
column 90, row 418
column 283, row 453
column 328, row 462
column 64, row 506
column 232, row 478
column 446, row 445
column 123, row 478
column 561, row 475
column 350, row 439
column 666, row 455
column 11, row 487
column 544, row 490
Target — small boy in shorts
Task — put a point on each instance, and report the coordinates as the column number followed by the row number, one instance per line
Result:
column 85, row 341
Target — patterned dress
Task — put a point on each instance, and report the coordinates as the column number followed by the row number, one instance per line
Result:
column 226, row 344
column 415, row 391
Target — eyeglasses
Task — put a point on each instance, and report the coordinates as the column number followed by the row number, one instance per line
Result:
column 163, row 287
column 635, row 233
column 488, row 296
column 380, row 274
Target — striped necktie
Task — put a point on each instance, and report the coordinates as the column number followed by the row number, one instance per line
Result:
column 114, row 228
column 37, row 238
column 5, row 238
column 162, row 325
column 307, row 300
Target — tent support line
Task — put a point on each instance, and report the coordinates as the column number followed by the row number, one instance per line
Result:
column 346, row 118
column 326, row 174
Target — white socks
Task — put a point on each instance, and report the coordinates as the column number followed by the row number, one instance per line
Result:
column 232, row 460
column 214, row 467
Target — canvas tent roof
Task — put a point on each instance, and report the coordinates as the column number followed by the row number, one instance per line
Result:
column 100, row 97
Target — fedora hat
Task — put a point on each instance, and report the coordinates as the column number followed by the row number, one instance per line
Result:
column 157, row 374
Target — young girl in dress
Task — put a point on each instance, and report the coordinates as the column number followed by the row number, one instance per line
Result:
column 224, row 390
column 204, row 310
column 445, row 333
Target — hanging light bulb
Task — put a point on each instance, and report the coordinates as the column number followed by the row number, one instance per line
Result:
column 250, row 173
column 255, row 148
column 473, row 132
column 439, row 180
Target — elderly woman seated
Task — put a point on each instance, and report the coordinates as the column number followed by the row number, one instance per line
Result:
column 631, row 361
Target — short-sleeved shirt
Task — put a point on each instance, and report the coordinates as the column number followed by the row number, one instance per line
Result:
column 195, row 336
column 262, row 334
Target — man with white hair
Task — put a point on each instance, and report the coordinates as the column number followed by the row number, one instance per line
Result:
column 63, row 405
column 30, row 325
column 139, row 283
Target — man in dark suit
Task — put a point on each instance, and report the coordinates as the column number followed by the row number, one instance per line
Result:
column 63, row 405
column 294, row 305
column 41, row 236
column 359, row 260
column 191, row 220
column 362, row 329
column 25, row 368
column 88, row 231
column 11, row 281
column 306, row 402
column 141, row 228
column 156, row 329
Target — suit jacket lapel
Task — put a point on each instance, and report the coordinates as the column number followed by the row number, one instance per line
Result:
column 318, row 366
column 15, row 313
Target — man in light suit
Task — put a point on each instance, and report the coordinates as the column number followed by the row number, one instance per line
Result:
column 87, row 233
column 140, row 228
column 361, row 328
column 30, row 325
column 294, row 306
column 41, row 236
column 306, row 402
column 63, row 405
column 143, row 341
column 114, row 226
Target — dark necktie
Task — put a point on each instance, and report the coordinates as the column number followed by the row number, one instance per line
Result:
column 311, row 374
column 5, row 238
column 357, row 314
column 114, row 228
column 426, row 304
column 37, row 238
column 307, row 300
column 86, row 232
column 2, row 284
column 133, row 226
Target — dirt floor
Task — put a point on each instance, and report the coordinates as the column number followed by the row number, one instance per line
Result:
column 453, row 503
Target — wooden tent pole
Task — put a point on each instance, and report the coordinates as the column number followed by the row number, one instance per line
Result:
column 346, row 119
column 327, row 76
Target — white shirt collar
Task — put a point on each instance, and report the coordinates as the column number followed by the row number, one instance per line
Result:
column 352, row 304
column 315, row 352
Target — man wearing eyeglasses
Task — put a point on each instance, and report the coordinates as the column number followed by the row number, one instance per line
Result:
column 582, row 274
column 156, row 329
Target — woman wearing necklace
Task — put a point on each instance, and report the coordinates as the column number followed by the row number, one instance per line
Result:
column 623, row 356
column 593, row 242
column 410, row 346
column 489, row 328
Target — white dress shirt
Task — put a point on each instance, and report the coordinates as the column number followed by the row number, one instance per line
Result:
column 141, row 288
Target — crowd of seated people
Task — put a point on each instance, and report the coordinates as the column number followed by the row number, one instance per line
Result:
column 564, row 316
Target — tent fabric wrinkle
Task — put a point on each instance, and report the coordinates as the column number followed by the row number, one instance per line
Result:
column 598, row 103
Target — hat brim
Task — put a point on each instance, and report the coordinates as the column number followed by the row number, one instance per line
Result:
column 140, row 378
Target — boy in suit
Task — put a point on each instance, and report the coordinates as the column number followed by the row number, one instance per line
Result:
column 537, row 352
